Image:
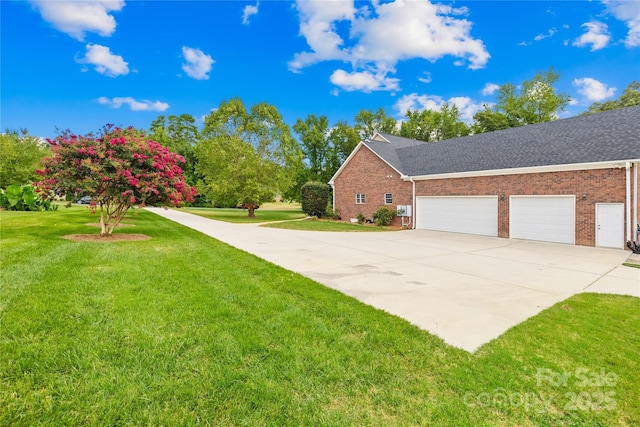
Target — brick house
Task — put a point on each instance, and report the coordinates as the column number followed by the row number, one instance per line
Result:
column 571, row 181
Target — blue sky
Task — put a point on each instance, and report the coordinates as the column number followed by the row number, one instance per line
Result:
column 81, row 64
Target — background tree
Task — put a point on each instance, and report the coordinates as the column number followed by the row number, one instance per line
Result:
column 367, row 123
column 313, row 133
column 432, row 126
column 343, row 140
column 324, row 149
column 629, row 97
column 245, row 156
column 20, row 155
column 180, row 135
column 118, row 169
column 535, row 102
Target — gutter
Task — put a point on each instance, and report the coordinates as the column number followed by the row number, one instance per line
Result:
column 525, row 170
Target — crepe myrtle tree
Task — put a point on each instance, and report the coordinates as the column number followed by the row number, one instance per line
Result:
column 118, row 168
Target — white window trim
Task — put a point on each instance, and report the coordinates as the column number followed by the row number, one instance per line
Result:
column 390, row 201
column 360, row 200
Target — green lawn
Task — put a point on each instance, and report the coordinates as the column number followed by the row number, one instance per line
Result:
column 242, row 216
column 185, row 330
column 323, row 225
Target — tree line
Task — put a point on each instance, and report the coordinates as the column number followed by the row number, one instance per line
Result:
column 248, row 155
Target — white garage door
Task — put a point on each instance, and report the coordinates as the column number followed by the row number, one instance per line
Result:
column 545, row 218
column 472, row 215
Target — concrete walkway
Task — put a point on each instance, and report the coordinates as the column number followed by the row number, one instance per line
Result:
column 465, row 289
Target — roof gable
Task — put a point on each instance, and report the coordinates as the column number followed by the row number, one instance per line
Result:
column 362, row 145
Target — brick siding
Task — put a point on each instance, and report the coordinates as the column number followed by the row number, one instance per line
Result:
column 601, row 186
column 366, row 173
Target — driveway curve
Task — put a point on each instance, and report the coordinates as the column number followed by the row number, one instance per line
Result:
column 463, row 288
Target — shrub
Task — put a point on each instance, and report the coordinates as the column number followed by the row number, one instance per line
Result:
column 384, row 216
column 332, row 213
column 24, row 198
column 315, row 197
column 361, row 218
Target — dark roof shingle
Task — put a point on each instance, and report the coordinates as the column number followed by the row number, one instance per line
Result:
column 609, row 136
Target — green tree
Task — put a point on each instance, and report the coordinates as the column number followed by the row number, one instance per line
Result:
column 313, row 133
column 180, row 135
column 629, row 97
column 535, row 102
column 367, row 123
column 245, row 156
column 20, row 155
column 432, row 126
column 343, row 140
column 324, row 148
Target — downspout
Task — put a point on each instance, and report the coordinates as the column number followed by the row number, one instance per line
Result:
column 635, row 199
column 413, row 204
column 628, row 194
column 333, row 196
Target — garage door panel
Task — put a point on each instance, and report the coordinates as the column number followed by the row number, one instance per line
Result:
column 543, row 218
column 472, row 215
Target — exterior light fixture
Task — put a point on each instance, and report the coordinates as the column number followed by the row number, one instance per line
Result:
column 584, row 196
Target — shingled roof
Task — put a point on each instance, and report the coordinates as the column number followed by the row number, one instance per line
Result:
column 609, row 136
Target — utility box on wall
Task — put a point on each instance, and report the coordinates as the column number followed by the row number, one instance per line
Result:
column 403, row 210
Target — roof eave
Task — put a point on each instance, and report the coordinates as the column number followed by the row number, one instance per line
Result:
column 526, row 170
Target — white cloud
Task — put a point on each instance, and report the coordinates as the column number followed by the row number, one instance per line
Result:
column 593, row 90
column 550, row 33
column 76, row 18
column 490, row 89
column 104, row 61
column 426, row 78
column 466, row 105
column 317, row 26
column 143, row 105
column 249, row 11
column 629, row 13
column 597, row 36
column 198, row 63
column 365, row 81
column 416, row 29
column 378, row 36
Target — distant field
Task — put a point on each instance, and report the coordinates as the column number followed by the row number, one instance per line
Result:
column 280, row 212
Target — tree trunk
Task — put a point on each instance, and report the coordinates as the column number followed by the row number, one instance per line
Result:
column 251, row 209
column 103, row 225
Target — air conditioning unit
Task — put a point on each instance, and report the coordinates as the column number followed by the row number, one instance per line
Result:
column 403, row 210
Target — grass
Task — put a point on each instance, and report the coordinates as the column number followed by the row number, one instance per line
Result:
column 630, row 264
column 266, row 213
column 185, row 330
column 324, row 225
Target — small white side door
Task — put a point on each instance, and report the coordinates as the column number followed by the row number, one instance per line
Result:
column 610, row 225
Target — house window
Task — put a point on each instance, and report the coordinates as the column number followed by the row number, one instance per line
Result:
column 388, row 198
column 360, row 199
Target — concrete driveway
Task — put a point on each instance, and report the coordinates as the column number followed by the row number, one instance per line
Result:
column 465, row 289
